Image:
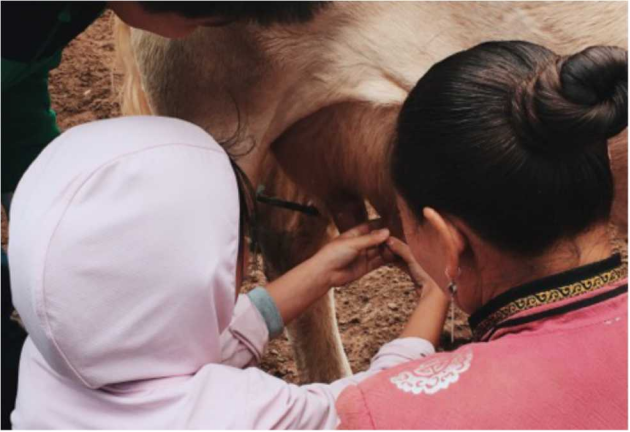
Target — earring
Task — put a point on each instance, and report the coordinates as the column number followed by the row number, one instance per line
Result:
column 452, row 290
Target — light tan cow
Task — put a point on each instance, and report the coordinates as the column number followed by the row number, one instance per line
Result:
column 312, row 108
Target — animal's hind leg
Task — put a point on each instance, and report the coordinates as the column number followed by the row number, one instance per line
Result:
column 330, row 155
column 288, row 238
column 315, row 335
column 317, row 345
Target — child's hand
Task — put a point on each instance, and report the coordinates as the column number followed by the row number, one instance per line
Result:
column 353, row 254
column 346, row 258
column 410, row 265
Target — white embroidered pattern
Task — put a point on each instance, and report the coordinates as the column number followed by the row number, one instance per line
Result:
column 434, row 374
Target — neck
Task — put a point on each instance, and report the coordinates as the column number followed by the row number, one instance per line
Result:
column 497, row 271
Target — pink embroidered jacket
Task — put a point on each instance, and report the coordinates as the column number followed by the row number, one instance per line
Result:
column 551, row 354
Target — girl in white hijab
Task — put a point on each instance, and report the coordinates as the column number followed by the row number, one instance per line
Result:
column 124, row 249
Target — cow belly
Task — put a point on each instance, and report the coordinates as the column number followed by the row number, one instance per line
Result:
column 339, row 155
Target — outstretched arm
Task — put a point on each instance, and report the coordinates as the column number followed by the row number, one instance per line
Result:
column 343, row 260
column 263, row 313
column 427, row 321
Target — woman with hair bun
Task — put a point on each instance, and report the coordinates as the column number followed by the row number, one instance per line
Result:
column 505, row 189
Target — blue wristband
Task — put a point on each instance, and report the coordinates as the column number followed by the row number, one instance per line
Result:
column 268, row 310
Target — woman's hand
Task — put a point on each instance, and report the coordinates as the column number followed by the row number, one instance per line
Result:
column 409, row 264
column 353, row 254
column 427, row 320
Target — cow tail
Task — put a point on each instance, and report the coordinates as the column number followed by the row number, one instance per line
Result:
column 133, row 99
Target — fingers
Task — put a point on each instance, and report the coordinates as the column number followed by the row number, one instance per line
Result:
column 401, row 249
column 363, row 229
column 379, row 251
column 417, row 273
column 366, row 235
column 370, row 264
column 366, row 241
column 375, row 263
column 387, row 254
column 371, row 253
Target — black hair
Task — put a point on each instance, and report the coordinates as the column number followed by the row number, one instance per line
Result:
column 260, row 12
column 512, row 139
column 247, row 208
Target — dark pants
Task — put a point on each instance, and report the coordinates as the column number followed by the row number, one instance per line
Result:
column 13, row 337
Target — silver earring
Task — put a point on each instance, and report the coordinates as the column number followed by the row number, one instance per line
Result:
column 452, row 289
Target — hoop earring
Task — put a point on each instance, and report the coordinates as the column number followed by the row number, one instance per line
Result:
column 452, row 290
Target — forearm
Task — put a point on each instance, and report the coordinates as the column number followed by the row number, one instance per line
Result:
column 296, row 290
column 345, row 259
column 427, row 320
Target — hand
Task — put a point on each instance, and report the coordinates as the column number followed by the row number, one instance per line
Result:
column 427, row 321
column 353, row 254
column 346, row 258
column 409, row 264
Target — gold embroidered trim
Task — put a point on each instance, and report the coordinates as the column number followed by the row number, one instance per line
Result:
column 552, row 295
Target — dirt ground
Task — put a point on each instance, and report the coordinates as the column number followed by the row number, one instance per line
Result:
column 83, row 87
column 370, row 311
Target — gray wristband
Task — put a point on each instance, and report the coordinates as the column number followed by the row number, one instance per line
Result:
column 268, row 310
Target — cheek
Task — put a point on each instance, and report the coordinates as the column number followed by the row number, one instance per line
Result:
column 182, row 32
column 173, row 31
column 171, row 26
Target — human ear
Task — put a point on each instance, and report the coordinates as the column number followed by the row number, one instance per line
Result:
column 451, row 240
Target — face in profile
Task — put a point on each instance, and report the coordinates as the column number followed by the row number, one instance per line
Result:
column 170, row 25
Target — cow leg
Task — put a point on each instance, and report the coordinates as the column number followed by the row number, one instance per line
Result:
column 288, row 238
column 317, row 345
column 315, row 336
column 336, row 157
column 331, row 155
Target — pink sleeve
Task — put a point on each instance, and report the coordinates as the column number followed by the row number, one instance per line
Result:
column 278, row 405
column 353, row 411
column 244, row 341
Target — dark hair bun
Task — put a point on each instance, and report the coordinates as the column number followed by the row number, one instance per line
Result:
column 582, row 99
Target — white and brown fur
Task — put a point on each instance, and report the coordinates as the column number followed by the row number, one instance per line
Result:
column 317, row 104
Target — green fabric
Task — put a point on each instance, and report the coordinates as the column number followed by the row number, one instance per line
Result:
column 28, row 121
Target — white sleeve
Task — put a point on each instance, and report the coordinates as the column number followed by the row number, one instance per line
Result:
column 276, row 404
column 244, row 341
